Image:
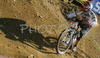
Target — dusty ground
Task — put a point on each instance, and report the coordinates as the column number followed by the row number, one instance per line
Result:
column 32, row 14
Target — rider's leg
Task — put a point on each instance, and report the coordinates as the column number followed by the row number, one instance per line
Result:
column 83, row 32
column 76, row 42
column 78, row 39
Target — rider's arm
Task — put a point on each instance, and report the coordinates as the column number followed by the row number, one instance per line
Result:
column 93, row 16
column 74, row 14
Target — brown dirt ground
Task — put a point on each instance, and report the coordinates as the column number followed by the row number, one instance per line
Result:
column 14, row 44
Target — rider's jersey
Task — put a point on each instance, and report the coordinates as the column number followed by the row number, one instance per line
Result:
column 87, row 17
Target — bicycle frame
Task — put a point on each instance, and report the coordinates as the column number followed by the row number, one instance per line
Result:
column 73, row 25
column 73, row 28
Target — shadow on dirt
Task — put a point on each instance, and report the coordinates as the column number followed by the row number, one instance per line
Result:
column 12, row 29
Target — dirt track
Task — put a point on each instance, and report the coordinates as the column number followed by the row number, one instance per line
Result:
column 34, row 14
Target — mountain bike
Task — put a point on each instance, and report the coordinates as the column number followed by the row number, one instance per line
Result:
column 68, row 36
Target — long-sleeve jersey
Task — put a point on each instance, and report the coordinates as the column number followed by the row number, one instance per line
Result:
column 87, row 17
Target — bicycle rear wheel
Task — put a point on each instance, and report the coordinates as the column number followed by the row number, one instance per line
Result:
column 64, row 41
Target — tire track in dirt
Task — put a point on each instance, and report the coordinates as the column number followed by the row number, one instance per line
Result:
column 84, row 54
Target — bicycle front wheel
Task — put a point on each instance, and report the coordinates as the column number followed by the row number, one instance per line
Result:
column 64, row 41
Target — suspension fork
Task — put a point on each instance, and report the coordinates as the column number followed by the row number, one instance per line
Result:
column 71, row 36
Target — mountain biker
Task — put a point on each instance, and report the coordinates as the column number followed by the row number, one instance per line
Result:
column 88, row 19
